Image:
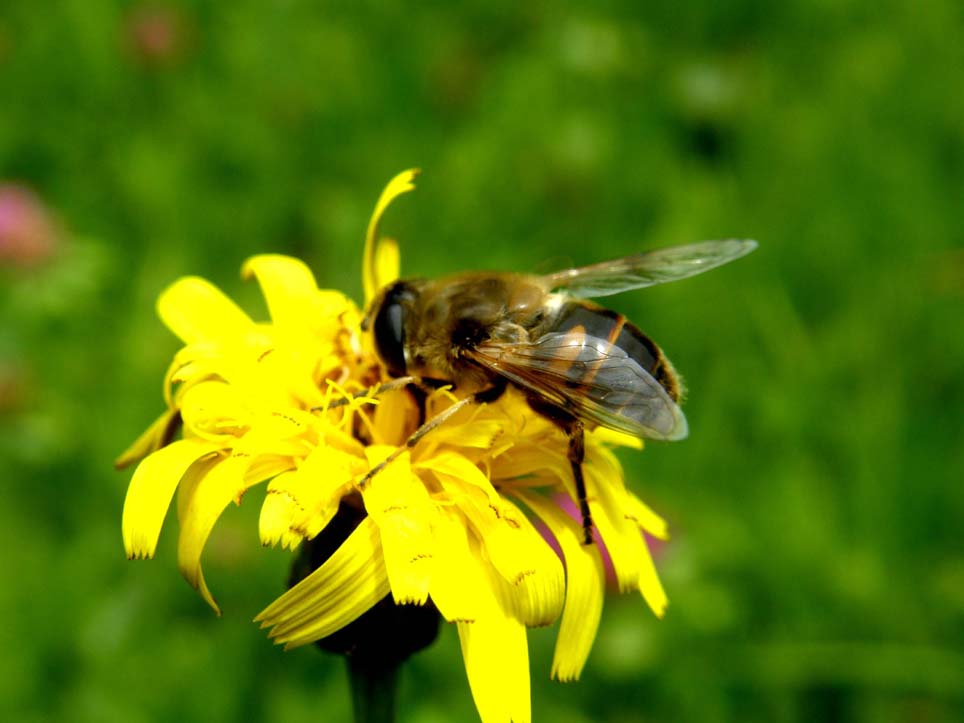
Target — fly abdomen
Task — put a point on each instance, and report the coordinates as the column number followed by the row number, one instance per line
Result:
column 584, row 319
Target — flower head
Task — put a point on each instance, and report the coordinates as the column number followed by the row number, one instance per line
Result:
column 156, row 34
column 452, row 519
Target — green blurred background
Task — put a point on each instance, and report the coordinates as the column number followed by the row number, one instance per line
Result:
column 817, row 567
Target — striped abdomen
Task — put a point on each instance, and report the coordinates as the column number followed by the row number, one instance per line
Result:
column 585, row 318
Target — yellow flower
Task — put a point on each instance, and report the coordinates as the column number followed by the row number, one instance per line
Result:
column 452, row 520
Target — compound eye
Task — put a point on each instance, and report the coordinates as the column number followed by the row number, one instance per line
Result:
column 389, row 328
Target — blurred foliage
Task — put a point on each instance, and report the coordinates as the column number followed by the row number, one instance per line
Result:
column 817, row 567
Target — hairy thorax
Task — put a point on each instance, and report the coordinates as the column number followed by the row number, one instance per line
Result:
column 457, row 314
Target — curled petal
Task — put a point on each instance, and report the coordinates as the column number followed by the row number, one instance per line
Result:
column 223, row 484
column 374, row 273
column 201, row 503
column 214, row 410
column 349, row 583
column 288, row 286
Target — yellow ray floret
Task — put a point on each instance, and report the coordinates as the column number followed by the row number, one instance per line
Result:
column 152, row 489
column 350, row 582
column 377, row 265
column 399, row 504
column 196, row 310
column 585, row 585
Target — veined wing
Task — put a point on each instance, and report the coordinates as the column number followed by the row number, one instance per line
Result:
column 590, row 378
column 648, row 269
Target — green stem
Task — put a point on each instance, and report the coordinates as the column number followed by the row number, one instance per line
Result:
column 373, row 687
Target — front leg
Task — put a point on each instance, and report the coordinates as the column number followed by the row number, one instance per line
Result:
column 482, row 397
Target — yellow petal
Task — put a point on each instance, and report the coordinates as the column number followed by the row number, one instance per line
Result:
column 623, row 540
column 300, row 504
column 478, row 433
column 266, row 466
column 280, row 431
column 202, row 500
column 395, row 417
column 642, row 515
column 607, row 500
column 278, row 513
column 528, row 460
column 223, row 484
column 192, row 364
column 150, row 492
column 460, row 588
column 152, row 439
column 611, row 436
column 372, row 278
column 626, row 544
column 196, row 310
column 585, row 587
column 387, row 262
column 349, row 583
column 399, row 504
column 496, row 656
column 539, row 596
column 288, row 286
column 649, row 585
column 456, row 469
column 214, row 410
column 530, row 568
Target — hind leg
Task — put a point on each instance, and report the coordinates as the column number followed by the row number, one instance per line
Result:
column 575, row 431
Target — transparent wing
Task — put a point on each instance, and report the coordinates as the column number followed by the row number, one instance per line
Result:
column 649, row 268
column 590, row 378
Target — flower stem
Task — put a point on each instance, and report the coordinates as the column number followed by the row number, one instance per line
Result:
column 374, row 683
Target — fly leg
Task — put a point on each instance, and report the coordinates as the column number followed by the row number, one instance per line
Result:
column 575, row 431
column 399, row 383
column 577, row 453
column 486, row 395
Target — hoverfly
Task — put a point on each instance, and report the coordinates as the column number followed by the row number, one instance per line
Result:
column 579, row 364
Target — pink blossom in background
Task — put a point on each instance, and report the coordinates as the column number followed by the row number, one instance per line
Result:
column 569, row 506
column 155, row 34
column 28, row 231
